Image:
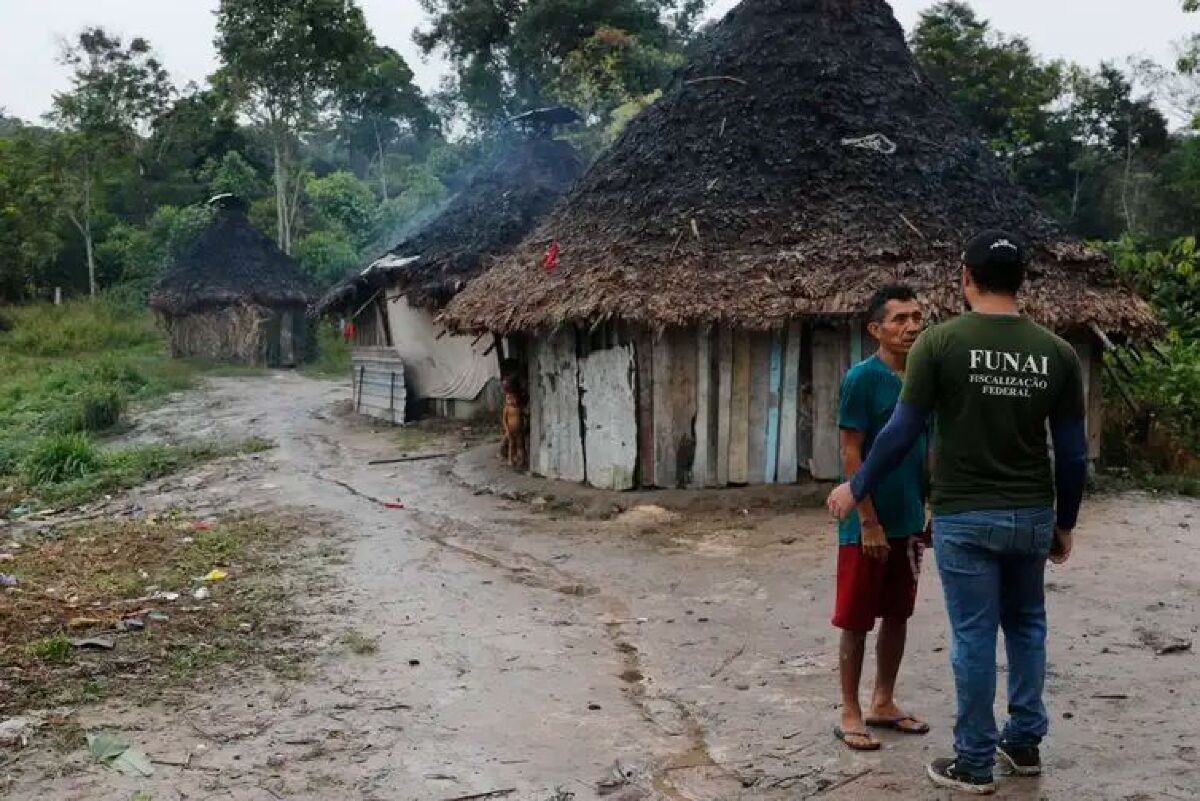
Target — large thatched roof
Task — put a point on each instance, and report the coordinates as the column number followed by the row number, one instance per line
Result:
column 798, row 162
column 231, row 262
column 493, row 212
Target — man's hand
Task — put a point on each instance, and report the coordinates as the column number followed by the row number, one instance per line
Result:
column 874, row 541
column 1060, row 551
column 841, row 501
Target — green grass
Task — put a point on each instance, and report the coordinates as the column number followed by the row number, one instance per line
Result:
column 54, row 650
column 333, row 354
column 68, row 375
column 358, row 643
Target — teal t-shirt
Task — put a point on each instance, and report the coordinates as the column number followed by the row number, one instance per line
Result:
column 870, row 391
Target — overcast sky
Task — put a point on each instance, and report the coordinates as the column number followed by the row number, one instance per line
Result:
column 1085, row 31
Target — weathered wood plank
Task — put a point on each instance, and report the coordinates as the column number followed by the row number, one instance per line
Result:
column 644, row 349
column 561, row 441
column 739, row 410
column 684, row 406
column 856, row 342
column 1092, row 366
column 533, row 363
column 804, row 406
column 760, row 381
column 830, row 359
column 787, row 472
column 664, row 460
column 724, row 393
column 609, row 403
column 704, row 468
column 775, row 383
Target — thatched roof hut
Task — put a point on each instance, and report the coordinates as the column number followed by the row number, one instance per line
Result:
column 393, row 301
column 496, row 209
column 713, row 265
column 233, row 295
column 798, row 162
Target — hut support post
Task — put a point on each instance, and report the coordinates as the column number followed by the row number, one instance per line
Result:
column 1092, row 366
column 739, row 410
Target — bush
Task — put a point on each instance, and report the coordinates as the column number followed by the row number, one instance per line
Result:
column 333, row 353
column 60, row 457
column 78, row 327
column 95, row 409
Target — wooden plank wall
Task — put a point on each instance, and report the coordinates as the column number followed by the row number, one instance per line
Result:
column 739, row 410
column 610, row 417
column 560, row 443
column 724, row 370
column 760, row 392
column 789, row 407
column 675, row 405
column 644, row 348
column 704, row 469
column 830, row 358
column 1092, row 364
column 534, row 446
column 775, row 377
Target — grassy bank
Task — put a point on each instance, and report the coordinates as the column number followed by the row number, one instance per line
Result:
column 68, row 375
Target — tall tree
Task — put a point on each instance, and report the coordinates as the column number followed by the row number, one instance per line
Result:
column 285, row 60
column 507, row 54
column 116, row 90
column 380, row 107
column 29, row 244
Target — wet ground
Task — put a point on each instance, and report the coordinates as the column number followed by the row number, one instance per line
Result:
column 525, row 653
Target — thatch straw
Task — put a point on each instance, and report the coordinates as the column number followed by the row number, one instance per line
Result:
column 799, row 162
column 230, row 263
column 499, row 205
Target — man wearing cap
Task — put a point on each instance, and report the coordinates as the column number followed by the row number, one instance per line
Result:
column 990, row 380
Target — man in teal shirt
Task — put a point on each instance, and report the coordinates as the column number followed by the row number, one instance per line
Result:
column 878, row 550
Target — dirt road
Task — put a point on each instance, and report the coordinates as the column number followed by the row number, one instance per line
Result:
column 650, row 656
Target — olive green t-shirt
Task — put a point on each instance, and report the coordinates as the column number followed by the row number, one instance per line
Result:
column 991, row 383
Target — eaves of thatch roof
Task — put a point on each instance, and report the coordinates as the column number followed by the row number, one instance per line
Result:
column 800, row 161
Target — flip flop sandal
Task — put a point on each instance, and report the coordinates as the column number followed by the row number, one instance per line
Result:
column 871, row 745
column 895, row 724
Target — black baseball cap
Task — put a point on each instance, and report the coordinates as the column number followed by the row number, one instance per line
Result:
column 995, row 249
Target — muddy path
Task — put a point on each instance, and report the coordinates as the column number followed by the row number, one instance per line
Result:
column 651, row 656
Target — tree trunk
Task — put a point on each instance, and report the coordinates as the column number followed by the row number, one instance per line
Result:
column 1126, row 207
column 282, row 226
column 1075, row 196
column 91, row 254
column 383, row 187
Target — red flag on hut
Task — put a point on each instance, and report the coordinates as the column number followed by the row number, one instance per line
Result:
column 550, row 260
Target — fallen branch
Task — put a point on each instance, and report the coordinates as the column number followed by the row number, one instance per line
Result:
column 1111, row 696
column 727, row 662
column 489, row 794
column 418, row 458
column 708, row 78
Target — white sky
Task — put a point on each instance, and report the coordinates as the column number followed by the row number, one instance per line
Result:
column 1085, row 31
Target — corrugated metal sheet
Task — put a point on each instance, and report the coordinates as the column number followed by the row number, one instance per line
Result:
column 378, row 375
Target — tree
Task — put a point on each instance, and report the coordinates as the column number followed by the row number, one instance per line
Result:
column 996, row 81
column 29, row 241
column 233, row 174
column 345, row 205
column 507, row 54
column 380, row 107
column 285, row 60
column 116, row 89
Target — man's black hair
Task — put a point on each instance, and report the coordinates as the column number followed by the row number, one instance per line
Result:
column 996, row 260
column 877, row 308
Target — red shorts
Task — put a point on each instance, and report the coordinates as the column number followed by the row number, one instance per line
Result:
column 870, row 588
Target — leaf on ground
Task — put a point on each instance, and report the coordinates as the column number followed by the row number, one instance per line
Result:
column 133, row 762
column 105, row 747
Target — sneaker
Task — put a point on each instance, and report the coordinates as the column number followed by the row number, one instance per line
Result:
column 946, row 773
column 1022, row 760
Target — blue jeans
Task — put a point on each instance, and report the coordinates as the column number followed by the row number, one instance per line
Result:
column 993, row 567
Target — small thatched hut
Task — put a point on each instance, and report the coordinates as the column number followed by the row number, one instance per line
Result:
column 392, row 303
column 713, row 263
column 234, row 296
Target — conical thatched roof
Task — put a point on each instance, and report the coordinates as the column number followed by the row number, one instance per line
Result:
column 800, row 161
column 497, row 208
column 231, row 262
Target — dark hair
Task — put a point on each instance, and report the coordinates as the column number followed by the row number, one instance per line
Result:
column 877, row 308
column 996, row 261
